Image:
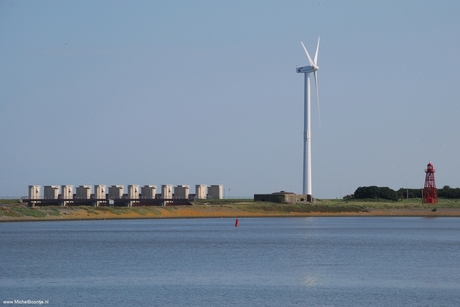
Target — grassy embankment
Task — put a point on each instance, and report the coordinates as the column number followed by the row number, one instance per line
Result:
column 12, row 210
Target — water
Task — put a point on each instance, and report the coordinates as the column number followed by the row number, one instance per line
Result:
column 209, row 262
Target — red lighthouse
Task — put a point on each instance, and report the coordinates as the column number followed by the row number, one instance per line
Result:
column 430, row 193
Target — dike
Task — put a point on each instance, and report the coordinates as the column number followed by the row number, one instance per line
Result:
column 21, row 212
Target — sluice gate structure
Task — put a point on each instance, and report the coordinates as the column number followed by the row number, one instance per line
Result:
column 115, row 196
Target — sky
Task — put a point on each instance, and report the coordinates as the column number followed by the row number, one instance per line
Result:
column 206, row 92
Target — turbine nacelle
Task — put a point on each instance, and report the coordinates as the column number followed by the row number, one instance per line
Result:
column 307, row 69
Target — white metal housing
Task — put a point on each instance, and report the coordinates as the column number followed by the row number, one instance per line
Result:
column 148, row 192
column 34, row 191
column 100, row 191
column 167, row 191
column 116, row 191
column 216, row 191
column 200, row 191
column 83, row 192
column 181, row 191
column 51, row 192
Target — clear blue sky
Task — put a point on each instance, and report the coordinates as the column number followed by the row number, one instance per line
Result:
column 192, row 92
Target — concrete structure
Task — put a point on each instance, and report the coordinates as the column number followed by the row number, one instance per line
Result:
column 34, row 193
column 148, row 192
column 116, row 191
column 83, row 192
column 166, row 192
column 66, row 193
column 216, row 191
column 282, row 197
column 100, row 191
column 200, row 191
column 133, row 193
column 182, row 191
column 51, row 192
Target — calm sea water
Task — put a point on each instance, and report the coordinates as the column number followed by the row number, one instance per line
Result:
column 210, row 262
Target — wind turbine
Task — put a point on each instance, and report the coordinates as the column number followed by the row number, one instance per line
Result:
column 306, row 70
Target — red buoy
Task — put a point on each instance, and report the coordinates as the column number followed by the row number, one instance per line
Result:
column 236, row 223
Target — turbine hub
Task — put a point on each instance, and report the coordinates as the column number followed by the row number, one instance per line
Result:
column 306, row 69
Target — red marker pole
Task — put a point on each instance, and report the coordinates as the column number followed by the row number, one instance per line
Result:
column 236, row 223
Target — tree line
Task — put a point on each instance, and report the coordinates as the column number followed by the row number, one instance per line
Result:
column 374, row 192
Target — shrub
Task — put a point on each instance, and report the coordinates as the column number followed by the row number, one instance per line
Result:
column 375, row 193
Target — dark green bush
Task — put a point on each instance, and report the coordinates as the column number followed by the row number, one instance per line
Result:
column 375, row 193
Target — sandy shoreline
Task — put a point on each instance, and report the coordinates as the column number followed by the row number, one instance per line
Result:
column 23, row 213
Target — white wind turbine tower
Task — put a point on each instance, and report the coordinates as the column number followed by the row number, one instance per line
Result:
column 306, row 70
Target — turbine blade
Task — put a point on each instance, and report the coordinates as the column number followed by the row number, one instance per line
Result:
column 316, row 54
column 317, row 96
column 309, row 58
